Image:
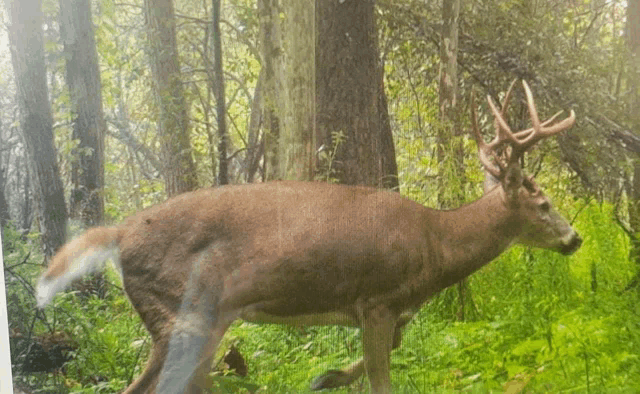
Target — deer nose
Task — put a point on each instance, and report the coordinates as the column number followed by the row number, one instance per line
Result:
column 573, row 245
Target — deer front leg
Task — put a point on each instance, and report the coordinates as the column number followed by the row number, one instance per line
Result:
column 378, row 326
column 334, row 378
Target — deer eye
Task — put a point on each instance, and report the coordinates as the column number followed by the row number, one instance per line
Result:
column 545, row 206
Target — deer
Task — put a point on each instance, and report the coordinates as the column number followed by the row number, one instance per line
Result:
column 311, row 253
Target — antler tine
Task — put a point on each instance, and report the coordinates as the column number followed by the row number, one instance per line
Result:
column 540, row 131
column 503, row 111
column 505, row 102
column 484, row 149
column 522, row 135
column 519, row 141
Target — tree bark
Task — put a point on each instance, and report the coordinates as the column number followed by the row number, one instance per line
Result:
column 173, row 126
column 27, row 55
column 350, row 99
column 89, row 127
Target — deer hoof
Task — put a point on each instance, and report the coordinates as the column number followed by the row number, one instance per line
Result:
column 329, row 380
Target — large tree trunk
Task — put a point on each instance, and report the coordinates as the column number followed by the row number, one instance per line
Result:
column 350, row 100
column 296, row 146
column 173, row 126
column 89, row 127
column 27, row 54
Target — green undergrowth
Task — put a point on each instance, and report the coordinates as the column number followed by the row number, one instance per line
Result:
column 537, row 322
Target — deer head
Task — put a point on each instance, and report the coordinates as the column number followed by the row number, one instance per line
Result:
column 542, row 225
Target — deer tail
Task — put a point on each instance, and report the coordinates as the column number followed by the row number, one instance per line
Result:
column 76, row 259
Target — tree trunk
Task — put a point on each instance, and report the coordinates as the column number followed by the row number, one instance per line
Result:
column 450, row 137
column 27, row 55
column 27, row 214
column 89, row 127
column 173, row 128
column 272, row 53
column 296, row 145
column 5, row 216
column 4, row 206
column 254, row 153
column 223, row 168
column 351, row 112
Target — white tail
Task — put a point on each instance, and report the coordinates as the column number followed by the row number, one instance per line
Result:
column 309, row 253
column 75, row 260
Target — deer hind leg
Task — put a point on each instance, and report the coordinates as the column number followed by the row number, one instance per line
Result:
column 149, row 377
column 334, row 378
column 196, row 332
column 201, row 382
column 193, row 342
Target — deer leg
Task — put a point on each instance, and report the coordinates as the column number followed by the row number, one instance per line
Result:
column 149, row 377
column 189, row 358
column 378, row 327
column 201, row 382
column 334, row 378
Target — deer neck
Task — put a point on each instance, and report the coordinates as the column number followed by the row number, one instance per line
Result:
column 475, row 234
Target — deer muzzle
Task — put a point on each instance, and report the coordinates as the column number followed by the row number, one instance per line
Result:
column 573, row 242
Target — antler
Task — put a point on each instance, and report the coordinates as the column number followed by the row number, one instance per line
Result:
column 519, row 141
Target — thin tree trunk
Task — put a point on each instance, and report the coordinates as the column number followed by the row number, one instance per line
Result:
column 89, row 127
column 223, row 167
column 272, row 53
column 4, row 206
column 27, row 54
column 173, row 126
column 450, row 147
column 255, row 122
column 450, row 144
column 27, row 220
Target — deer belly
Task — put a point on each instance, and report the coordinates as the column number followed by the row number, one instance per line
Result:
column 318, row 319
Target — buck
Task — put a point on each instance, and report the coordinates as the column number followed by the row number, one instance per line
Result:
column 306, row 253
